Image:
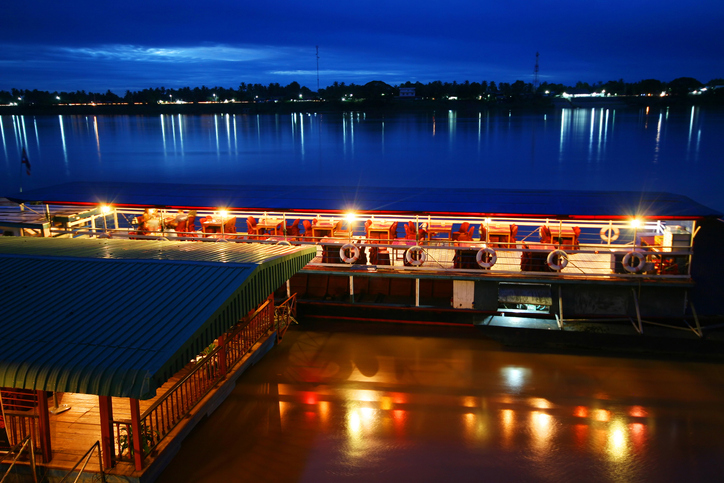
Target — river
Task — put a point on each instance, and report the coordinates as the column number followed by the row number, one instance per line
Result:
column 648, row 149
column 390, row 403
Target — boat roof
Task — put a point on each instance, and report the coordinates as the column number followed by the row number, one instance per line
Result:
column 557, row 204
column 120, row 317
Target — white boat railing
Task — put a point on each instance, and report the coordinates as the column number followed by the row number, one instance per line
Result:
column 600, row 249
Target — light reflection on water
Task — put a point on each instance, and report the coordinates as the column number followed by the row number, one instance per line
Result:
column 563, row 149
column 617, row 436
column 350, row 406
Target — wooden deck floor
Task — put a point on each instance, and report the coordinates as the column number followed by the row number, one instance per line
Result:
column 74, row 431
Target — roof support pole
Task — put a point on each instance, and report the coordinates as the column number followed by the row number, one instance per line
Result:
column 44, row 426
column 640, row 327
column 222, row 355
column 560, row 308
column 105, row 407
column 137, row 433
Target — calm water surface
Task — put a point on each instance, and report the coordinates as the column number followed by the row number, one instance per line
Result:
column 596, row 149
column 367, row 403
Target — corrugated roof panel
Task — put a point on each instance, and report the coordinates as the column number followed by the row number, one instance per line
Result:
column 119, row 317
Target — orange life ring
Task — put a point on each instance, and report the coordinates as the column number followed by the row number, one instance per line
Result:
column 491, row 256
column 343, row 253
column 415, row 262
column 559, row 255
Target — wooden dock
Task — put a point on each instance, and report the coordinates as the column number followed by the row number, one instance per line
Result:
column 74, row 431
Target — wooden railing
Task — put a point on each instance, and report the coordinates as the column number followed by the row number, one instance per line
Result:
column 21, row 416
column 172, row 407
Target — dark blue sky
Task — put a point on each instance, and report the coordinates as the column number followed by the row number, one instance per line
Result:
column 95, row 45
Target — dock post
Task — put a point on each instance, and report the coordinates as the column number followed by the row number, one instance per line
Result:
column 640, row 327
column 417, row 292
column 222, row 356
column 560, row 308
column 137, row 433
column 105, row 407
column 44, row 426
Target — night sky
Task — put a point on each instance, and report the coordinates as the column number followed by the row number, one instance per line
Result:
column 133, row 45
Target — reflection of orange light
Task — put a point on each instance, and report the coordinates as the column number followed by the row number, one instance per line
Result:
column 602, row 415
column 542, row 426
column 617, row 447
column 324, row 411
column 398, row 398
column 540, row 403
column 580, row 412
column 638, row 436
column 507, row 419
column 469, row 423
column 398, row 419
column 637, row 412
column 580, row 435
column 284, row 408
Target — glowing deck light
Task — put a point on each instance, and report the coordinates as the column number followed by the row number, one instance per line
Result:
column 351, row 217
column 223, row 213
column 105, row 209
column 635, row 223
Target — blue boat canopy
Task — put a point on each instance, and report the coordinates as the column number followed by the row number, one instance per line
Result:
column 119, row 317
column 557, row 204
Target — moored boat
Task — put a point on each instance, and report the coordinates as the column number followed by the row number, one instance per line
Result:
column 565, row 255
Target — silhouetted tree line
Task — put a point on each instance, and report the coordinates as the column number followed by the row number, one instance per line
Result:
column 375, row 90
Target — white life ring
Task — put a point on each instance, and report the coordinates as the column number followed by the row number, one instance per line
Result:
column 491, row 255
column 416, row 262
column 561, row 256
column 283, row 242
column 343, row 253
column 640, row 262
column 610, row 233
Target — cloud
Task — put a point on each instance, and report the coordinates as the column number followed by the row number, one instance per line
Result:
column 330, row 73
column 206, row 53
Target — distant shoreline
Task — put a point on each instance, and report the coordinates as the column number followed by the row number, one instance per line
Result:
column 541, row 104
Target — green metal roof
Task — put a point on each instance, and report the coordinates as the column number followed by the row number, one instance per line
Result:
column 120, row 317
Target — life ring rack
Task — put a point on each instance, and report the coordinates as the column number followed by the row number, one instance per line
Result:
column 559, row 255
column 415, row 262
column 354, row 255
column 486, row 253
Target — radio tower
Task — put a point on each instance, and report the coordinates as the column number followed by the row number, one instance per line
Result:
column 317, row 69
column 535, row 73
